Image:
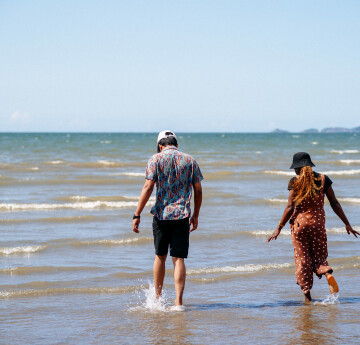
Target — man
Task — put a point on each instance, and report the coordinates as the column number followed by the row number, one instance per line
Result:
column 175, row 174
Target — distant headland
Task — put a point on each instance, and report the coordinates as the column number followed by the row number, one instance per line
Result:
column 325, row 130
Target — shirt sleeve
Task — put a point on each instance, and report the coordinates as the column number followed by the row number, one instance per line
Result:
column 328, row 182
column 291, row 183
column 151, row 169
column 197, row 175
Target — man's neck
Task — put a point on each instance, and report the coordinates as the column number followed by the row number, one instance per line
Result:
column 169, row 147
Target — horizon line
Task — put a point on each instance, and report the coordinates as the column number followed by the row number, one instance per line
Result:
column 183, row 132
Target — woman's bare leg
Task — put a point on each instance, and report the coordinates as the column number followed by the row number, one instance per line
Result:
column 307, row 297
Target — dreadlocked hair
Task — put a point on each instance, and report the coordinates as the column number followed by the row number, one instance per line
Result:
column 305, row 186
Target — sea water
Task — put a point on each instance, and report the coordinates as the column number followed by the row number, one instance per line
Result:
column 73, row 272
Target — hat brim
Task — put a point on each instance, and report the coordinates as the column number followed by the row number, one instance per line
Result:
column 302, row 164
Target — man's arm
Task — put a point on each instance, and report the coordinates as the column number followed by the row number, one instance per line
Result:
column 144, row 198
column 194, row 220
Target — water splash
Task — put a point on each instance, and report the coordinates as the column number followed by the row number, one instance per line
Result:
column 177, row 308
column 152, row 303
column 329, row 300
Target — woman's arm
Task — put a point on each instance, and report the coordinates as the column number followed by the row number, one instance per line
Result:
column 335, row 205
column 289, row 209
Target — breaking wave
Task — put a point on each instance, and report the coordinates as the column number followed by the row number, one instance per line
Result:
column 287, row 232
column 341, row 152
column 136, row 174
column 279, row 172
column 113, row 242
column 74, row 243
column 241, row 268
column 76, row 205
column 330, row 172
column 21, row 250
column 284, row 201
column 350, row 200
column 44, row 269
column 61, row 291
column 349, row 161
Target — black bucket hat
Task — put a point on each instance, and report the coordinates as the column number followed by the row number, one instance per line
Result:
column 301, row 159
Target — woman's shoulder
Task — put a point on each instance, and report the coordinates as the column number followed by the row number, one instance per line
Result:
column 291, row 182
column 328, row 181
column 326, row 177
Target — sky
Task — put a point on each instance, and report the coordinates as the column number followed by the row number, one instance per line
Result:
column 184, row 65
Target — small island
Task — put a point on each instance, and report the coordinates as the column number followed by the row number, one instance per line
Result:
column 324, row 130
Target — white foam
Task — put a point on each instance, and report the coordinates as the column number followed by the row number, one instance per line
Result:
column 350, row 200
column 340, row 152
column 314, row 142
column 349, row 161
column 287, row 232
column 269, row 232
column 106, row 163
column 279, row 172
column 331, row 172
column 242, row 268
column 34, row 168
column 130, row 174
column 105, row 142
column 347, row 200
column 78, row 197
column 277, row 200
column 117, row 242
column 76, row 205
column 19, row 250
column 55, row 162
column 177, row 308
column 135, row 198
column 343, row 172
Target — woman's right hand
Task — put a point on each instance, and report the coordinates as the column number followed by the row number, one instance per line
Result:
column 350, row 231
column 274, row 236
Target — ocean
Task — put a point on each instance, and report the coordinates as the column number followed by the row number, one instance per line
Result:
column 73, row 272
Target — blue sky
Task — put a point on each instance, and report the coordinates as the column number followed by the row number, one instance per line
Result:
column 243, row 66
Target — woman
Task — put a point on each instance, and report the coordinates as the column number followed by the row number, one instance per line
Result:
column 305, row 207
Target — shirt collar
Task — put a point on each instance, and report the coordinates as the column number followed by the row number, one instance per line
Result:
column 170, row 148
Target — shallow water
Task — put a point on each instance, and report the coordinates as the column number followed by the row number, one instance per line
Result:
column 72, row 271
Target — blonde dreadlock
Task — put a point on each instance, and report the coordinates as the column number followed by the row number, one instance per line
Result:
column 305, row 186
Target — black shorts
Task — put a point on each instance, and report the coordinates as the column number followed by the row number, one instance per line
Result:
column 173, row 233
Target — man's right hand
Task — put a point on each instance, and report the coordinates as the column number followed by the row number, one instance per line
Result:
column 135, row 225
column 194, row 221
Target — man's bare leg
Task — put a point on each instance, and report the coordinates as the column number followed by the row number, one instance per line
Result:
column 307, row 297
column 159, row 273
column 179, row 279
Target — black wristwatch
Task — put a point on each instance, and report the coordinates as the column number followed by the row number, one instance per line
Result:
column 136, row 217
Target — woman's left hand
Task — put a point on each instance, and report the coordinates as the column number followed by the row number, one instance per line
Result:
column 274, row 236
column 350, row 231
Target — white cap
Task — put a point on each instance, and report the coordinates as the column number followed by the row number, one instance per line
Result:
column 165, row 134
